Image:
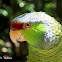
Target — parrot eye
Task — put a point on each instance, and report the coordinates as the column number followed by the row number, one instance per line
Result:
column 27, row 25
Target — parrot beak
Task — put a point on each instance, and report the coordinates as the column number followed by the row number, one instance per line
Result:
column 16, row 36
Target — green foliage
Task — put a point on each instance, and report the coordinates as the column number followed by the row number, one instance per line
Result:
column 3, row 12
column 29, row 7
column 48, row 8
column 4, row 48
column 2, row 42
column 49, row 5
column 10, row 11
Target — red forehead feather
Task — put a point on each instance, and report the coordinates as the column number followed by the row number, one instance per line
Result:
column 17, row 25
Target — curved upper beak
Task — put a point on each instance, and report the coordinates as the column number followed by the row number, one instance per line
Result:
column 16, row 36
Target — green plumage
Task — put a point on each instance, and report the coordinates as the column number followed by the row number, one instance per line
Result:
column 53, row 54
column 48, row 55
column 43, row 37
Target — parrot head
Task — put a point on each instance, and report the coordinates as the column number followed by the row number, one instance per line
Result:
column 32, row 27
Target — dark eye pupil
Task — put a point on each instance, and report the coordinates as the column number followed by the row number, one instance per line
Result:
column 27, row 24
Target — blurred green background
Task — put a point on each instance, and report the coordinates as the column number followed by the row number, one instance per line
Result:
column 10, row 9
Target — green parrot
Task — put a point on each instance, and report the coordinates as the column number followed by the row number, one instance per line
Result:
column 42, row 33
